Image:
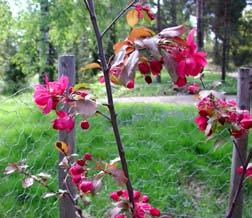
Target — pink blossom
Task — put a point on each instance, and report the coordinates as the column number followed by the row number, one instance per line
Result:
column 63, row 121
column 194, row 88
column 120, row 216
column 181, row 81
column 154, row 212
column 142, row 207
column 248, row 172
column 190, row 62
column 87, row 156
column 76, row 170
column 86, row 186
column 201, row 122
column 47, row 96
column 156, row 67
column 246, row 123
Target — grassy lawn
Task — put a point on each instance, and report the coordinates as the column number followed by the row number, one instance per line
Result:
column 165, row 87
column 169, row 159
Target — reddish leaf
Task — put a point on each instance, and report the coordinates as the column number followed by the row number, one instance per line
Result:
column 97, row 183
column 27, row 182
column 86, row 108
column 172, row 31
column 132, row 17
column 119, row 176
column 171, row 67
column 62, row 147
column 140, row 32
column 11, row 168
column 44, row 176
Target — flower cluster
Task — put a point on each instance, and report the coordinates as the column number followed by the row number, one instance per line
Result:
column 193, row 89
column 142, row 207
column 179, row 56
column 217, row 113
column 144, row 10
column 78, row 173
column 189, row 62
column 150, row 67
column 55, row 96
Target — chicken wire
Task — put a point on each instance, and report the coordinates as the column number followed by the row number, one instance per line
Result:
column 175, row 179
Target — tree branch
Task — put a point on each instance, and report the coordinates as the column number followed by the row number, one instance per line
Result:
column 230, row 213
column 121, row 13
column 105, row 70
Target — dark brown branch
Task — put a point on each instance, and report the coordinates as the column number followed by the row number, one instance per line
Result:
column 121, row 13
column 105, row 69
column 230, row 213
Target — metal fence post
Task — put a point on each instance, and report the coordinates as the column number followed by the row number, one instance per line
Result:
column 66, row 66
column 243, row 99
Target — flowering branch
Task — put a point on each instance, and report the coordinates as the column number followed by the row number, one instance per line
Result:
column 90, row 7
column 121, row 13
column 230, row 213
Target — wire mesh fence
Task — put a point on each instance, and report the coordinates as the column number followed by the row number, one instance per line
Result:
column 169, row 159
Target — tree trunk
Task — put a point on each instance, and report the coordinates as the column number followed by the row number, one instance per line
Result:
column 200, row 32
column 44, row 50
column 224, row 48
column 158, row 30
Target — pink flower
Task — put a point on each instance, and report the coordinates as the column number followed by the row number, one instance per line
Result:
column 181, row 81
column 76, row 179
column 47, row 96
column 76, row 170
column 248, row 170
column 88, row 156
column 194, row 88
column 155, row 212
column 63, row 122
column 114, row 196
column 190, row 62
column 86, row 186
column 144, row 67
column 156, row 67
column 246, row 123
column 142, row 207
column 120, row 216
column 201, row 122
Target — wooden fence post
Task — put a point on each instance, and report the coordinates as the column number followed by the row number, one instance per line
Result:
column 66, row 66
column 243, row 98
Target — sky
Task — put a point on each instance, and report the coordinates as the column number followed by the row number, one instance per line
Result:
column 17, row 6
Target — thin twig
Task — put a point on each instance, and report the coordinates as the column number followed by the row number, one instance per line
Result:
column 239, row 153
column 230, row 213
column 121, row 13
column 44, row 184
column 105, row 69
column 202, row 83
column 104, row 115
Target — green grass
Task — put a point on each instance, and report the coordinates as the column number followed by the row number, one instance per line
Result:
column 165, row 87
column 169, row 159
